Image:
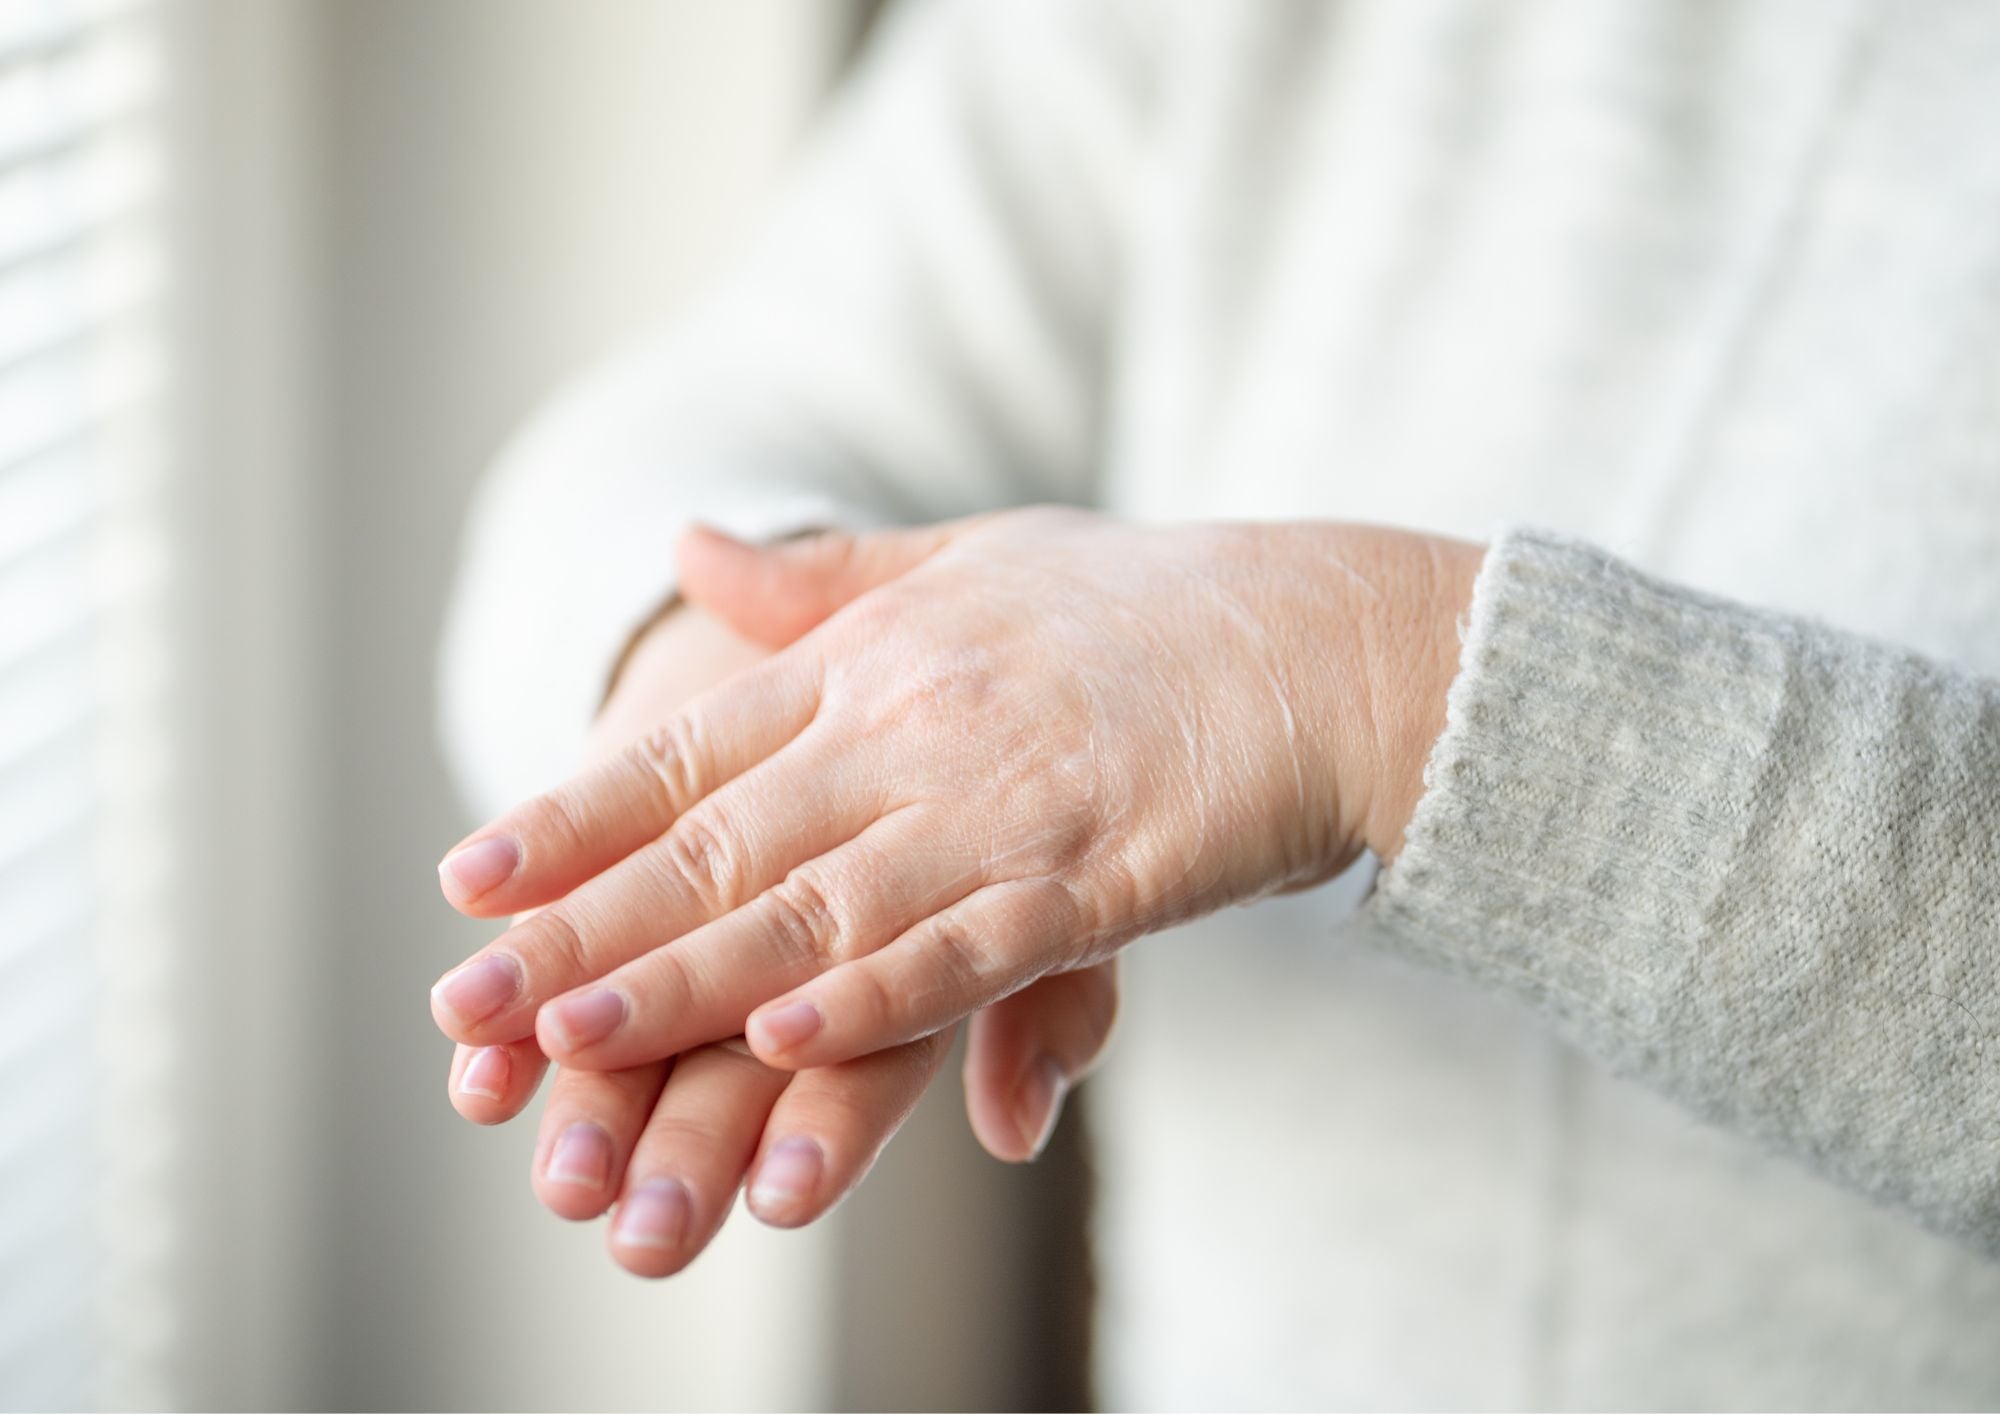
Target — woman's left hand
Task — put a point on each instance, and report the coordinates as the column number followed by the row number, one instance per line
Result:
column 1048, row 734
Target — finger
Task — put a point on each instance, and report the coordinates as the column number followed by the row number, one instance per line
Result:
column 589, row 1127
column 1024, row 1053
column 775, row 593
column 690, row 1160
column 728, row 849
column 545, row 847
column 841, row 904
column 490, row 1084
column 830, row 1124
column 970, row 955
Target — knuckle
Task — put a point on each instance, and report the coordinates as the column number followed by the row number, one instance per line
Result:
column 802, row 915
column 959, row 962
column 874, row 995
column 670, row 754
column 1084, row 906
column 551, row 820
column 967, row 687
column 557, row 945
column 704, row 856
column 662, row 986
column 1061, row 840
column 679, row 1135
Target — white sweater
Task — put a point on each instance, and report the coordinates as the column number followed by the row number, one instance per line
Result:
column 1714, row 287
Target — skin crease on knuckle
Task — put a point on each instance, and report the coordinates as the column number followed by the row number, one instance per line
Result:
column 703, row 855
column 993, row 946
column 553, row 945
column 550, row 830
column 803, row 918
column 668, row 752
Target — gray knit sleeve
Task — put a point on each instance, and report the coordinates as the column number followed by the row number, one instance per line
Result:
column 1744, row 858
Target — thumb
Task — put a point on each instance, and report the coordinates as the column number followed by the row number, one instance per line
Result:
column 772, row 594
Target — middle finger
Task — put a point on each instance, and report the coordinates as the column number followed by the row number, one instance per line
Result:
column 841, row 905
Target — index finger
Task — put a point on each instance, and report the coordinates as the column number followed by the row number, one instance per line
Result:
column 545, row 847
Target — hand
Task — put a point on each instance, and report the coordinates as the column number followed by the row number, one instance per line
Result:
column 673, row 1143
column 1051, row 735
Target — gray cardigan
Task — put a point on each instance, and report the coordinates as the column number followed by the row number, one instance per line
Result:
column 1746, row 858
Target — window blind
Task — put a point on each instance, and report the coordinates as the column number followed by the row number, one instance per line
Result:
column 84, row 573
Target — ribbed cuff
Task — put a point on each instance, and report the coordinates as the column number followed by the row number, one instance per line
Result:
column 1605, row 738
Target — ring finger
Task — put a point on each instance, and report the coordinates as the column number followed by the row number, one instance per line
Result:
column 842, row 905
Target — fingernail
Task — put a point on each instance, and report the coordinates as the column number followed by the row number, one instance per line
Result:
column 478, row 869
column 486, row 1073
column 790, row 1025
column 582, row 1156
column 588, row 1018
column 655, row 1214
column 480, row 988
column 787, row 1177
column 1040, row 1104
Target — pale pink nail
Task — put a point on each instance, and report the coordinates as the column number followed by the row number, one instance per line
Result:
column 582, row 1156
column 1040, row 1104
column 655, row 1214
column 588, row 1018
column 787, row 1177
column 478, row 868
column 787, row 1026
column 480, row 988
column 487, row 1073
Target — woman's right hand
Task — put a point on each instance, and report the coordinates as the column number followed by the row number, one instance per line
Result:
column 671, row 1142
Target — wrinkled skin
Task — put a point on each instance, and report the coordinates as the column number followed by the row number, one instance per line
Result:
column 993, row 754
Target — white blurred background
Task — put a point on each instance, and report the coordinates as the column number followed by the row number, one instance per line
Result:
column 277, row 277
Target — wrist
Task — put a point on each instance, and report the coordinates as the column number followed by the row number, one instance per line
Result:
column 1411, row 659
column 1365, row 620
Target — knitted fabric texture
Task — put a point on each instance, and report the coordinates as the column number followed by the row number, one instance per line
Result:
column 1737, row 856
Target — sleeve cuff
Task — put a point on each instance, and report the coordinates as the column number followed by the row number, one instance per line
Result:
column 1604, row 740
